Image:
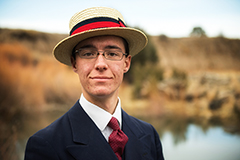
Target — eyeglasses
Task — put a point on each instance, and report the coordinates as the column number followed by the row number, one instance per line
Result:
column 110, row 54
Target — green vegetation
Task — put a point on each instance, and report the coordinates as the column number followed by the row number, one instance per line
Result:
column 144, row 69
column 198, row 32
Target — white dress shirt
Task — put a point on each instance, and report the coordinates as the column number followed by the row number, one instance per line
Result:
column 101, row 117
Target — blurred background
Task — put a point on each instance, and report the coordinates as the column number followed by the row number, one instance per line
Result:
column 186, row 82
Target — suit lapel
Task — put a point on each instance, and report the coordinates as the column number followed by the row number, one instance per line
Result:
column 89, row 142
column 135, row 147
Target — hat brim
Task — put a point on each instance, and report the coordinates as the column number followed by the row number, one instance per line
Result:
column 136, row 40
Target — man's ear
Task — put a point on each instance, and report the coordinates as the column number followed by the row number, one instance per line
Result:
column 73, row 61
column 127, row 63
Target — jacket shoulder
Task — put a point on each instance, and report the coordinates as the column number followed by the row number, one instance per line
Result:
column 58, row 127
column 146, row 133
column 140, row 124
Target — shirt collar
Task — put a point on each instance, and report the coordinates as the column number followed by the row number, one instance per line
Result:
column 99, row 116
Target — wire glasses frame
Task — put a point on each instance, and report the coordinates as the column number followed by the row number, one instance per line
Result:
column 109, row 54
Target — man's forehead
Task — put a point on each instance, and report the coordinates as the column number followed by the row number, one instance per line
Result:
column 101, row 41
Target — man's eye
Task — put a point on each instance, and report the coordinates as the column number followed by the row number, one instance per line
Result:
column 88, row 54
column 112, row 54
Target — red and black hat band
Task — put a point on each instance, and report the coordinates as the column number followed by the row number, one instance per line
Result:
column 94, row 23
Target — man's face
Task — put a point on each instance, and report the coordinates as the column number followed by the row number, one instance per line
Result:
column 100, row 77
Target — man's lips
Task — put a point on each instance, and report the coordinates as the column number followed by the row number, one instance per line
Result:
column 101, row 78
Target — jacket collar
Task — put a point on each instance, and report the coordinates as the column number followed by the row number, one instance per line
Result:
column 89, row 140
column 135, row 147
column 86, row 137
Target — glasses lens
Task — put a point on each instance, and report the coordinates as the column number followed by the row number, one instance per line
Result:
column 110, row 54
column 113, row 54
column 87, row 53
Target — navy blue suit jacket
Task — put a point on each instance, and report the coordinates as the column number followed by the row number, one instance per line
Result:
column 75, row 136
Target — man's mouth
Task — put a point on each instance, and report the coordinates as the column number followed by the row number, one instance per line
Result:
column 101, row 78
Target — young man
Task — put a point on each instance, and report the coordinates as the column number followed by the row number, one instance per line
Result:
column 99, row 49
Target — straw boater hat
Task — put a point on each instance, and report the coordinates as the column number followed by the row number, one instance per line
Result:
column 98, row 21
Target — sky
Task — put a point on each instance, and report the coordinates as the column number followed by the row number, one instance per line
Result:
column 173, row 18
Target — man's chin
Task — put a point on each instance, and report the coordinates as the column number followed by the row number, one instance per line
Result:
column 103, row 94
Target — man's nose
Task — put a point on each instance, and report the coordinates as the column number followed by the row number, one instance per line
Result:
column 101, row 62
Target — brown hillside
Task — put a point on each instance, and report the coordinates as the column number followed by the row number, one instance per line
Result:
column 31, row 79
column 183, row 53
column 38, row 42
column 29, row 72
column 204, row 53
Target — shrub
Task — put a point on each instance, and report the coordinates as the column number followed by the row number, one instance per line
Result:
column 144, row 68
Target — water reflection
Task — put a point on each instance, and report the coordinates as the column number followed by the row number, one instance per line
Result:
column 214, row 144
column 180, row 137
column 16, row 131
column 10, row 124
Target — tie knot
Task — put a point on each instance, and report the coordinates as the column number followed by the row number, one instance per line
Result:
column 113, row 123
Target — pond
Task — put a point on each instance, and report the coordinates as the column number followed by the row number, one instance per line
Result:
column 214, row 144
column 193, row 143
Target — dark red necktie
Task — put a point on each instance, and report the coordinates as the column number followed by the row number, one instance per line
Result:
column 117, row 139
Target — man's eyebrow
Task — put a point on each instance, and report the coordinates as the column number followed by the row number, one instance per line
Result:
column 112, row 47
column 106, row 47
column 87, row 46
